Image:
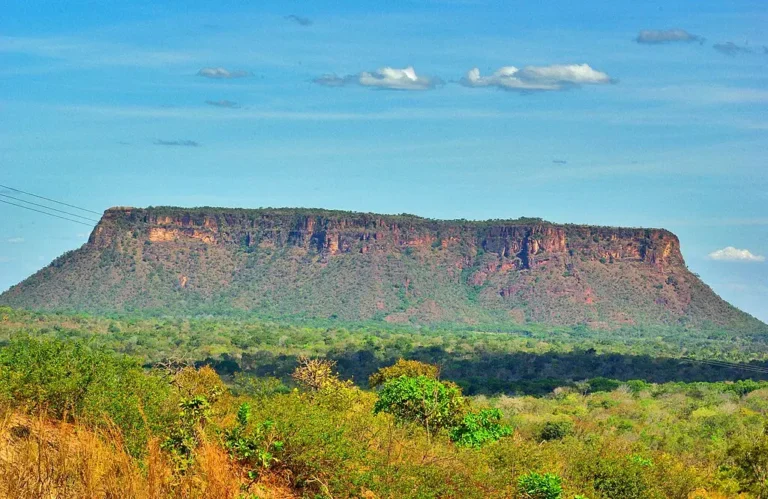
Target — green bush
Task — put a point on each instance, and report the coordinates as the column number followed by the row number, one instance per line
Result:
column 69, row 379
column 743, row 387
column 476, row 429
column 409, row 368
column 638, row 385
column 320, row 448
column 603, row 385
column 622, row 478
column 422, row 400
column 257, row 447
column 536, row 486
column 185, row 435
column 749, row 463
column 259, row 388
column 556, row 430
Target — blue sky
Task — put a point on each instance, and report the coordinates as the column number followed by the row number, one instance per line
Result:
column 103, row 104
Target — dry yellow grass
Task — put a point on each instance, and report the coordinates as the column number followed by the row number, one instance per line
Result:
column 41, row 459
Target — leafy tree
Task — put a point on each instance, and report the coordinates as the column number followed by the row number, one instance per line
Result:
column 476, row 429
column 556, row 430
column 601, row 384
column 743, row 387
column 75, row 381
column 256, row 447
column 410, row 368
column 624, row 478
column 536, row 486
column 425, row 401
column 638, row 385
column 750, row 462
column 186, row 434
column 203, row 382
column 315, row 374
column 259, row 388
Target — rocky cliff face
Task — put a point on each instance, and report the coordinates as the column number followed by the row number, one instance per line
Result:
column 520, row 244
column 358, row 266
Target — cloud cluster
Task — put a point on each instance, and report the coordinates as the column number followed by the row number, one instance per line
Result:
column 223, row 74
column 658, row 36
column 537, row 78
column 731, row 254
column 384, row 78
column 223, row 103
column 301, row 21
column 731, row 49
column 180, row 143
column 333, row 80
column 16, row 240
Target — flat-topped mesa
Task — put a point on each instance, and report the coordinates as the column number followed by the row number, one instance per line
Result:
column 521, row 243
column 334, row 265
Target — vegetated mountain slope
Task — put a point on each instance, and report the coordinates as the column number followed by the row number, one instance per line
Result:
column 307, row 263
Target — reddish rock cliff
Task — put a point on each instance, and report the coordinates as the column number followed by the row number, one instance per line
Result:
column 519, row 244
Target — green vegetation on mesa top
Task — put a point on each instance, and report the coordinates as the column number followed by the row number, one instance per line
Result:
column 213, row 211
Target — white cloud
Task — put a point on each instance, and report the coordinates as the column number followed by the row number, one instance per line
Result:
column 537, row 78
column 4, row 259
column 731, row 254
column 396, row 79
column 386, row 78
column 658, row 36
column 222, row 74
column 16, row 240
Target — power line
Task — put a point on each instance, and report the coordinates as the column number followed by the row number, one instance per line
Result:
column 734, row 365
column 48, row 208
column 725, row 364
column 45, row 213
column 51, row 200
column 729, row 365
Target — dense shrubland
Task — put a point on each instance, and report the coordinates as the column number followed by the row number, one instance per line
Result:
column 531, row 360
column 81, row 421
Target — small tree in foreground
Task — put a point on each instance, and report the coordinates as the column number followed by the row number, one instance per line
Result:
column 556, row 430
column 256, row 446
column 749, row 459
column 479, row 428
column 422, row 400
column 315, row 374
column 409, row 368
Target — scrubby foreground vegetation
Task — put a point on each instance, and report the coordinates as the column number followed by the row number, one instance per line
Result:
column 79, row 421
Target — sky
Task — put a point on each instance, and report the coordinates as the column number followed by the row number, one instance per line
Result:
column 624, row 113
